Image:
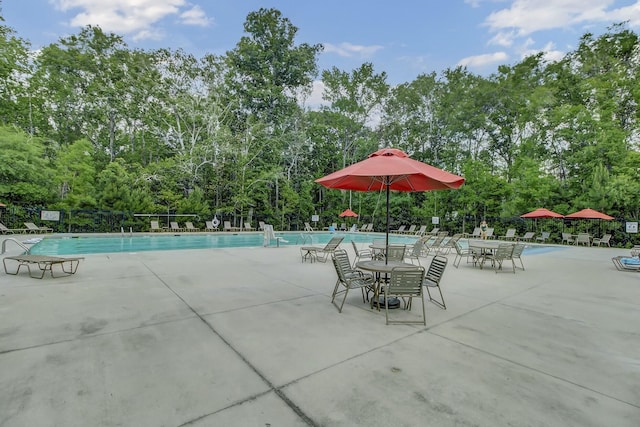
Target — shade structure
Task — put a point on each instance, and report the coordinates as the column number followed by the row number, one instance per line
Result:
column 542, row 213
column 589, row 214
column 349, row 213
column 391, row 169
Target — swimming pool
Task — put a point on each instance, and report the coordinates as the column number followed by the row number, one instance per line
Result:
column 74, row 245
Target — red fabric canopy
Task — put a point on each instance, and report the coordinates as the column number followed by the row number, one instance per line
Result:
column 589, row 214
column 542, row 213
column 348, row 212
column 392, row 169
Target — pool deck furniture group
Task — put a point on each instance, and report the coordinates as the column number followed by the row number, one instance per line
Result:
column 248, row 336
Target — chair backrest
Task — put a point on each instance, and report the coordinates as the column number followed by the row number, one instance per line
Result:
column 412, row 228
column 436, row 268
column 338, row 263
column 546, row 234
column 155, row 225
column 341, row 259
column 489, row 232
column 3, row 228
column 209, row 224
column 416, row 251
column 476, row 232
column 307, row 227
column 435, row 230
column 517, row 250
column 396, row 252
column 529, row 235
column 566, row 236
column 227, row 225
column 353, row 228
column 174, row 225
column 504, row 251
column 421, row 230
column 582, row 238
column 405, row 281
column 605, row 238
column 247, row 225
column 31, row 226
column 189, row 224
column 402, row 228
column 370, row 226
column 355, row 248
column 511, row 232
column 261, row 225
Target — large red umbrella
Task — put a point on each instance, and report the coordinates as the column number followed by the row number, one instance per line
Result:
column 541, row 213
column 589, row 214
column 348, row 212
column 391, row 169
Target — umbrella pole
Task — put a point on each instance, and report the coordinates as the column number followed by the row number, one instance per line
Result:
column 386, row 252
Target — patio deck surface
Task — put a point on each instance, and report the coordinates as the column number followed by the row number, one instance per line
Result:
column 248, row 337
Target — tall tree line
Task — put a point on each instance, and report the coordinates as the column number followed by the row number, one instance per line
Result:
column 89, row 123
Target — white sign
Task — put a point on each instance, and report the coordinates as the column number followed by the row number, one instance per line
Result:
column 632, row 227
column 435, row 220
column 315, row 218
column 50, row 215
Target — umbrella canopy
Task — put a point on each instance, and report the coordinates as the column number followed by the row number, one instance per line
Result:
column 391, row 169
column 589, row 214
column 541, row 213
column 348, row 212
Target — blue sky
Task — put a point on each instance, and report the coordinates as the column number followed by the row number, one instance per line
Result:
column 403, row 38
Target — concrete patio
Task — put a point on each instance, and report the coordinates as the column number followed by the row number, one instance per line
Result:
column 248, row 337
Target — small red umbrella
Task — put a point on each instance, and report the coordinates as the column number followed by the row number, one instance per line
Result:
column 541, row 213
column 589, row 214
column 348, row 212
column 391, row 169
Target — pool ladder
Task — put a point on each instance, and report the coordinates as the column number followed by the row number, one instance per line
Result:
column 17, row 242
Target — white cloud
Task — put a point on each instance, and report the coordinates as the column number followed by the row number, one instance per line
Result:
column 482, row 60
column 349, row 50
column 136, row 17
column 195, row 16
column 503, row 38
column 529, row 16
column 549, row 51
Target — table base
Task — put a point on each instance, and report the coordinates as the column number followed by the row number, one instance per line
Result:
column 393, row 303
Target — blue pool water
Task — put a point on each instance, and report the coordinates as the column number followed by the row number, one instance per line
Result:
column 170, row 242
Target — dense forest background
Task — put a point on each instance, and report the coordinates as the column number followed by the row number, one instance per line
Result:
column 95, row 129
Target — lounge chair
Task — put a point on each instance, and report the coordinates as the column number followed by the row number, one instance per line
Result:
column 261, row 225
column 421, row 231
column 527, row 236
column 210, row 226
column 248, row 227
column 155, row 226
column 625, row 263
column 32, row 228
column 476, row 233
column 399, row 230
column 434, row 231
column 189, row 226
column 354, row 228
column 343, row 227
column 449, row 245
column 369, row 227
column 543, row 237
column 415, row 252
column 604, row 240
column 69, row 265
column 489, row 233
column 509, row 235
column 332, row 227
column 320, row 253
column 363, row 228
column 174, row 226
column 308, row 227
column 410, row 230
column 5, row 230
column 567, row 238
column 228, row 227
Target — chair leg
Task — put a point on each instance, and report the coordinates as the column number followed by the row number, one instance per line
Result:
column 435, row 301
